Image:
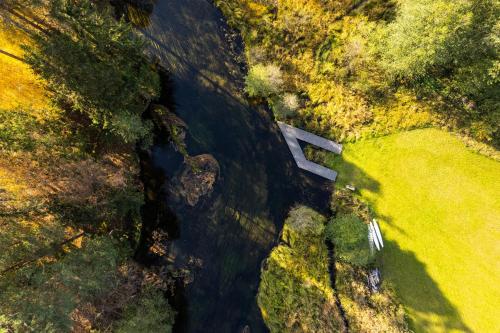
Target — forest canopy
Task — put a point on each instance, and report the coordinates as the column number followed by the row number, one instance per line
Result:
column 70, row 194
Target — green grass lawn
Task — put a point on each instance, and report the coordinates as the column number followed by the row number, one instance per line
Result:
column 439, row 208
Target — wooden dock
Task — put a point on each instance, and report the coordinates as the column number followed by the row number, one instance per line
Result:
column 293, row 134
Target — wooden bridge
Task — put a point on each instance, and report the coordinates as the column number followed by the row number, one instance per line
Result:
column 293, row 134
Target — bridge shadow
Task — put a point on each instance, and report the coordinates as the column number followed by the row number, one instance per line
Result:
column 348, row 173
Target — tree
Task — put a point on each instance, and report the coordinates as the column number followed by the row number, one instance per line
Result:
column 96, row 64
column 426, row 33
column 295, row 293
column 41, row 298
column 450, row 48
column 349, row 235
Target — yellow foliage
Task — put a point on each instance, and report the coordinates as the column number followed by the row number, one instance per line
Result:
column 304, row 66
column 19, row 86
column 326, row 58
column 307, row 16
column 13, row 185
column 403, row 112
column 255, row 8
column 337, row 111
column 70, row 232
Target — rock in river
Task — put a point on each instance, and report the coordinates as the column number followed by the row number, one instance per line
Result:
column 198, row 177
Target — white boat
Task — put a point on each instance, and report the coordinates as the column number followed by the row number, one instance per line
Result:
column 378, row 233
column 374, row 236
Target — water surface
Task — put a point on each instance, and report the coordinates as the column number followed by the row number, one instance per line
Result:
column 234, row 230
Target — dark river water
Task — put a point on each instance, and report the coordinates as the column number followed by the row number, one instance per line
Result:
column 233, row 230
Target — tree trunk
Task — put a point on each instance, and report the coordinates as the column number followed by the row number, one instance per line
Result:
column 26, row 262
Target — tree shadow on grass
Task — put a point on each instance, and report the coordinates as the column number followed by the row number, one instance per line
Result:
column 350, row 174
column 418, row 292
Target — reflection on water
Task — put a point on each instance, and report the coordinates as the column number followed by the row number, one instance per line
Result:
column 233, row 231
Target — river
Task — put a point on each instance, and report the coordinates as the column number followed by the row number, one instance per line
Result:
column 233, row 230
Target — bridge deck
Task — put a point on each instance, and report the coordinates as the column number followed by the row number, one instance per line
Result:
column 291, row 134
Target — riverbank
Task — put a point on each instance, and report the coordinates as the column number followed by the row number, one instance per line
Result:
column 70, row 208
column 336, row 79
column 324, row 67
column 231, row 231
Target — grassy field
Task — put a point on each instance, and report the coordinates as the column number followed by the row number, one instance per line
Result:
column 439, row 208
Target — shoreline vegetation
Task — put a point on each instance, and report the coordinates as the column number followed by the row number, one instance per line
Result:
column 75, row 118
column 297, row 293
column 330, row 67
column 353, row 71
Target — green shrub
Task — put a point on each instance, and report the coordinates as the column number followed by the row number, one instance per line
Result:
column 349, row 235
column 368, row 312
column 263, row 81
column 295, row 293
column 285, row 106
column 151, row 313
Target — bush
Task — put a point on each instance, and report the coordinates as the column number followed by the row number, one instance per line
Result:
column 295, row 293
column 304, row 220
column 368, row 312
column 151, row 313
column 263, row 81
column 285, row 106
column 349, row 235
